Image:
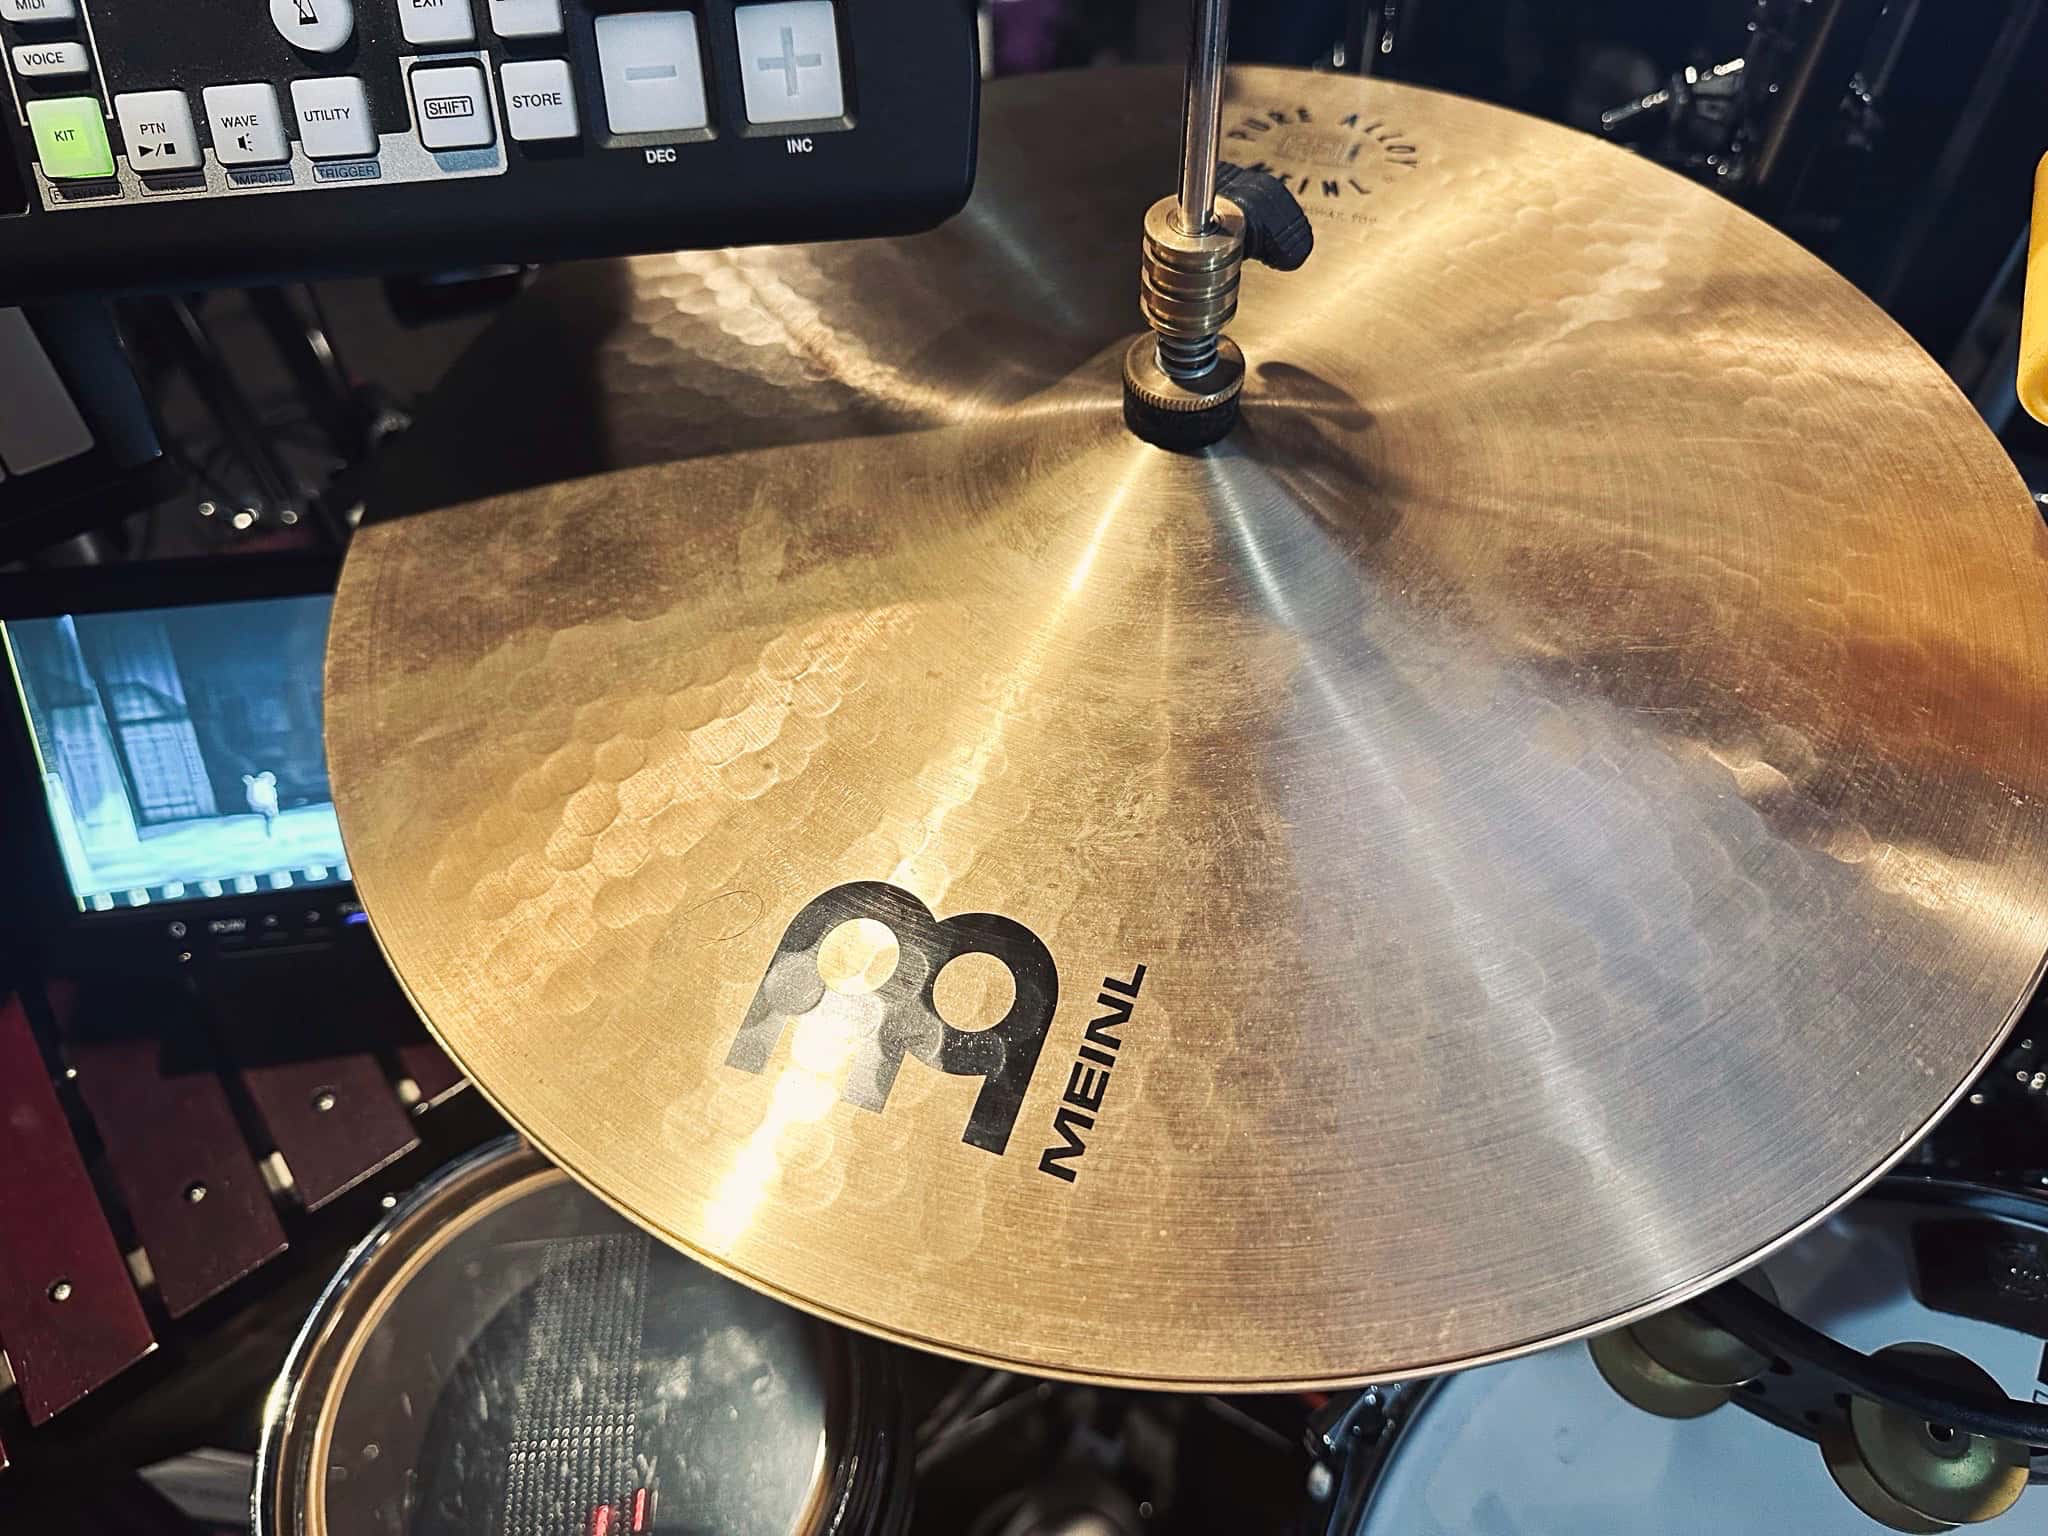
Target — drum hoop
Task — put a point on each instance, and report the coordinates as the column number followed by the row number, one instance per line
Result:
column 859, row 1485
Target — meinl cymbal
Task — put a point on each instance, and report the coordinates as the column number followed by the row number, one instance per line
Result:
column 1550, row 806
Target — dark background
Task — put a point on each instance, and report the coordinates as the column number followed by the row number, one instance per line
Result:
column 275, row 405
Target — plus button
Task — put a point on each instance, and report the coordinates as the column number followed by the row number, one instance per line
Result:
column 789, row 61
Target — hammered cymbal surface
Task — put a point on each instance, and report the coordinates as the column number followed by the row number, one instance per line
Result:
column 1570, row 765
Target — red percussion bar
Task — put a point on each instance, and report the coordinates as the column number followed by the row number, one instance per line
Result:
column 69, row 1317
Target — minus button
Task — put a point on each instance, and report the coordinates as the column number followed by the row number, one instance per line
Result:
column 653, row 71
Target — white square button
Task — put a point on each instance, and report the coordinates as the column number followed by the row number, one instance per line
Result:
column 653, row 71
column 157, row 128
column 453, row 107
column 526, row 18
column 334, row 119
column 789, row 61
column 435, row 21
column 540, row 101
column 246, row 124
column 38, row 10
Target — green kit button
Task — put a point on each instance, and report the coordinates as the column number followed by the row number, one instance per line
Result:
column 71, row 138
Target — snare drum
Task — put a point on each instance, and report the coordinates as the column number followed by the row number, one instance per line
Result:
column 504, row 1356
column 1543, row 1446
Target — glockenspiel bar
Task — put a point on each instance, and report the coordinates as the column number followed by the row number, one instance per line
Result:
column 198, row 1201
column 69, row 1317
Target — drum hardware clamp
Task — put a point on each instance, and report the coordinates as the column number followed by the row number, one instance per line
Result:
column 1182, row 379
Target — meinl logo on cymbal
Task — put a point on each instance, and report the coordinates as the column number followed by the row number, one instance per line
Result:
column 1003, row 1056
column 1088, row 1083
column 904, row 1019
column 1337, row 166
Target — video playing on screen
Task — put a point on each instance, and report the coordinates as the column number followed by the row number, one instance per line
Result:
column 180, row 749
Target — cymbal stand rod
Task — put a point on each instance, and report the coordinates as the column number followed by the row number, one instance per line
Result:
column 1201, row 128
column 1192, row 251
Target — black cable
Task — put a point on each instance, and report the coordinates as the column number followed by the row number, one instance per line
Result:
column 203, row 478
column 971, row 1379
column 1742, row 1312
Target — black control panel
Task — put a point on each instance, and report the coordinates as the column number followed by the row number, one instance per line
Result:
column 146, row 147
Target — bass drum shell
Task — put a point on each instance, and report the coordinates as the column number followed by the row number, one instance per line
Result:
column 1542, row 1446
column 506, row 1356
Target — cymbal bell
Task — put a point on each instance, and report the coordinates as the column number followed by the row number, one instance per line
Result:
column 1548, row 808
